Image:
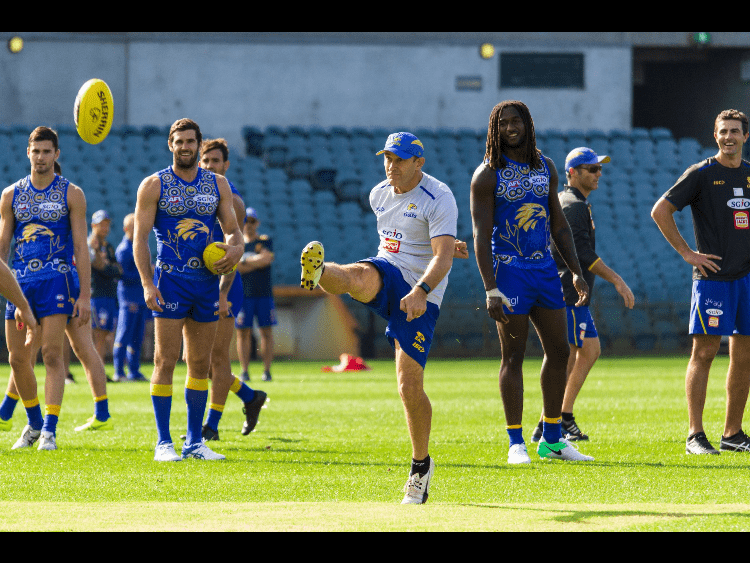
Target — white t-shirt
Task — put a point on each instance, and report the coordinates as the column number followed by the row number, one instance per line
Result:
column 407, row 223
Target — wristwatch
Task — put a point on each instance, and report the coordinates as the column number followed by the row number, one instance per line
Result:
column 426, row 288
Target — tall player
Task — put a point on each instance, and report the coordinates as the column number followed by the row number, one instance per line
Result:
column 215, row 158
column 517, row 214
column 718, row 191
column 405, row 283
column 181, row 204
column 44, row 212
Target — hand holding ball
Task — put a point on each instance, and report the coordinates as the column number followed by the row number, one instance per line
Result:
column 213, row 254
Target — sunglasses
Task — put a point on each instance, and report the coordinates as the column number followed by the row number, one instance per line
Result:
column 593, row 169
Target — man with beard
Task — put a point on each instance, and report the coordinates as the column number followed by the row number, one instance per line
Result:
column 517, row 215
column 181, row 204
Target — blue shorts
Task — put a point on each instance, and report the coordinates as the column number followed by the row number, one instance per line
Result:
column 261, row 308
column 194, row 299
column 104, row 313
column 235, row 297
column 55, row 296
column 415, row 338
column 580, row 326
column 529, row 288
column 720, row 308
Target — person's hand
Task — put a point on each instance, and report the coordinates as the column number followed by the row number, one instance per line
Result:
column 414, row 304
column 82, row 311
column 462, row 250
column 154, row 300
column 25, row 321
column 496, row 305
column 704, row 262
column 583, row 291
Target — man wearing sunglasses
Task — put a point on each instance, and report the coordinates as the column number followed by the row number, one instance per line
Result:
column 584, row 169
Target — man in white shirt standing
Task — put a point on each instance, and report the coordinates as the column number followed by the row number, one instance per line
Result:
column 405, row 283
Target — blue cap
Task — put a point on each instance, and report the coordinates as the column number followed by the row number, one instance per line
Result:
column 251, row 213
column 583, row 156
column 404, row 145
column 100, row 216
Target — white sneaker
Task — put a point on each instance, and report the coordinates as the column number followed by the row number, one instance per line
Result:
column 166, row 453
column 47, row 442
column 201, row 452
column 562, row 451
column 519, row 455
column 417, row 488
column 313, row 258
column 28, row 438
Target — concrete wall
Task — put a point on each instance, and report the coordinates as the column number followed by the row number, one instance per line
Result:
column 226, row 85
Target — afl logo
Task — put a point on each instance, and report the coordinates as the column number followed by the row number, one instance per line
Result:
column 95, row 114
column 175, row 200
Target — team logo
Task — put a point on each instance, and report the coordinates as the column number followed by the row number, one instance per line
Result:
column 739, row 203
column 715, row 312
column 741, row 220
column 713, row 322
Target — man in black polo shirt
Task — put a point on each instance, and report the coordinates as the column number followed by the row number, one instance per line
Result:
column 718, row 191
column 583, row 168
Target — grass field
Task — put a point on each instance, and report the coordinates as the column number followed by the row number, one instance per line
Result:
column 332, row 454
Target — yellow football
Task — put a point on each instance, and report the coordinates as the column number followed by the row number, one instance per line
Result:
column 213, row 254
column 94, row 110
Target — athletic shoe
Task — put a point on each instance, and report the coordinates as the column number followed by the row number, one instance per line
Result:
column 94, row 425
column 738, row 443
column 210, row 435
column 47, row 442
column 137, row 378
column 245, row 377
column 572, row 433
column 536, row 437
column 699, row 445
column 6, row 425
column 417, row 488
column 252, row 412
column 201, row 452
column 69, row 379
column 28, row 438
column 166, row 453
column 267, row 376
column 562, row 451
column 119, row 378
column 312, row 261
column 518, row 455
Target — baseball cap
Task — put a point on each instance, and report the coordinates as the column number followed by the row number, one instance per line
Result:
column 583, row 156
column 251, row 213
column 100, row 216
column 404, row 145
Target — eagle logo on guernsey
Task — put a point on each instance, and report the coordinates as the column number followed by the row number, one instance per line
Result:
column 32, row 233
column 528, row 218
column 187, row 229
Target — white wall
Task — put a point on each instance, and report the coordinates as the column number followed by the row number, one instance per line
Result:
column 226, row 86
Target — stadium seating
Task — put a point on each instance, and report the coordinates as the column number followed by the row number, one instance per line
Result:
column 314, row 183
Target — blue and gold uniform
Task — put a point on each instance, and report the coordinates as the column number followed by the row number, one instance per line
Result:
column 184, row 226
column 521, row 240
column 43, row 258
column 234, row 299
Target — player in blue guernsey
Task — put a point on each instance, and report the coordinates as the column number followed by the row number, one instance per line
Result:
column 215, row 158
column 517, row 216
column 46, row 215
column 133, row 313
column 181, row 204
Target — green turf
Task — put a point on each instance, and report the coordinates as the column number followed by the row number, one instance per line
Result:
column 332, row 453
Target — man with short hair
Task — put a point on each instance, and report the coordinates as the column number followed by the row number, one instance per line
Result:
column 718, row 192
column 405, row 284
column 181, row 204
column 46, row 215
column 583, row 169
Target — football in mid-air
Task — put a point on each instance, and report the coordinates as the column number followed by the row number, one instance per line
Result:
column 213, row 254
column 94, row 110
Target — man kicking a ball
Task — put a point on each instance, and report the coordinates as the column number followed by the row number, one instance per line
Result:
column 405, row 283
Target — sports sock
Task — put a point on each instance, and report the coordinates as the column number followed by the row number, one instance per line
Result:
column 568, row 417
column 34, row 414
column 101, row 405
column 196, row 397
column 552, row 430
column 421, row 467
column 8, row 406
column 516, row 435
column 215, row 413
column 161, row 398
column 244, row 392
column 51, row 418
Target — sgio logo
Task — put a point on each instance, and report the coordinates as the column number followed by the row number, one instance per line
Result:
column 739, row 203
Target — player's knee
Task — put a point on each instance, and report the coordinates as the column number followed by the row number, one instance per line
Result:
column 52, row 356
